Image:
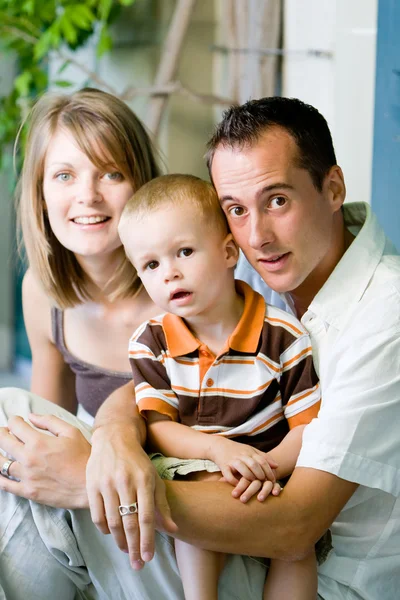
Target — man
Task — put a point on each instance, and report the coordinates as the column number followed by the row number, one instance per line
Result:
column 274, row 168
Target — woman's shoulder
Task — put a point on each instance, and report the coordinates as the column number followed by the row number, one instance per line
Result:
column 36, row 306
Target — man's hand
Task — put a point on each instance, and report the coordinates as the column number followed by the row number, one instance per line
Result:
column 120, row 472
column 50, row 468
column 244, row 467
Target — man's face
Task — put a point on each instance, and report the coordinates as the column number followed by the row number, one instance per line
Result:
column 288, row 230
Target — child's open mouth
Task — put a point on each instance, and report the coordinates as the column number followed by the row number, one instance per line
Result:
column 180, row 295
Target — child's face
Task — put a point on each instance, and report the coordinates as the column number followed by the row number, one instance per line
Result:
column 183, row 263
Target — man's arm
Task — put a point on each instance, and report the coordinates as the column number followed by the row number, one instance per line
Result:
column 284, row 527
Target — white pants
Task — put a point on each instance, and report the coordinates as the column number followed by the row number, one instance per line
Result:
column 56, row 554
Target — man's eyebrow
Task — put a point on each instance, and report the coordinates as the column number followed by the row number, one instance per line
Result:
column 267, row 188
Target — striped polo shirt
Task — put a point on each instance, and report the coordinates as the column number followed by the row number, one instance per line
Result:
column 261, row 384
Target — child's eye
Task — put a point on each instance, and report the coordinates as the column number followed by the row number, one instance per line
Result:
column 63, row 176
column 185, row 252
column 153, row 264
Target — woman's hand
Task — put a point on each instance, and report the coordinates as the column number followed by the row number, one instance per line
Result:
column 50, row 468
column 120, row 472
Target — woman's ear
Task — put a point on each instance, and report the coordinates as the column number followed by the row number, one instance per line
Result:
column 231, row 250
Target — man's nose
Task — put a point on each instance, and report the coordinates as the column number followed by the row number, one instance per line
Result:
column 260, row 231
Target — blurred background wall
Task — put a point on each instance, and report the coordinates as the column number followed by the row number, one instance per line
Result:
column 321, row 51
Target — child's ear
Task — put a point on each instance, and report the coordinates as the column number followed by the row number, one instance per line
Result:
column 231, row 251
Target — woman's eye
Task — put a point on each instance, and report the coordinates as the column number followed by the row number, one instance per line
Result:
column 114, row 176
column 152, row 265
column 277, row 202
column 63, row 176
column 236, row 211
column 185, row 252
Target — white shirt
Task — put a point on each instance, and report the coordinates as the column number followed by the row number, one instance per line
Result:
column 354, row 324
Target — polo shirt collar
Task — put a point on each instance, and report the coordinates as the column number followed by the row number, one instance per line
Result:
column 245, row 337
column 351, row 276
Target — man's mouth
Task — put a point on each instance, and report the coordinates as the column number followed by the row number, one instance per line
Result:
column 90, row 220
column 274, row 262
column 273, row 259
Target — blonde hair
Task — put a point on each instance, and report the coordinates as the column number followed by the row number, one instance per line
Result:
column 181, row 190
column 105, row 129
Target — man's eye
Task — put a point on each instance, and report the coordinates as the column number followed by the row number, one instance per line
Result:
column 63, row 176
column 152, row 265
column 185, row 252
column 277, row 202
column 236, row 211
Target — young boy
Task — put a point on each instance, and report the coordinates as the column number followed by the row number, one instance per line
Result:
column 220, row 376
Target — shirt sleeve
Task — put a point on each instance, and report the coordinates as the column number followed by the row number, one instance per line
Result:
column 356, row 435
column 299, row 385
column 152, row 385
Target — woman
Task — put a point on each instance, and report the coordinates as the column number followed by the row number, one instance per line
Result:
column 85, row 155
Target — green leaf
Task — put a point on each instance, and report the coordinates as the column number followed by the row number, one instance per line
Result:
column 104, row 9
column 80, row 15
column 105, row 42
column 63, row 66
column 126, row 2
column 62, row 83
column 68, row 30
column 28, row 7
column 22, row 83
column 43, row 45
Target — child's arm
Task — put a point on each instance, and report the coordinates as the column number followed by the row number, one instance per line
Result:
column 285, row 454
column 234, row 460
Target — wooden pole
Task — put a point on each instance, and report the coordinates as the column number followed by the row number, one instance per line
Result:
column 169, row 61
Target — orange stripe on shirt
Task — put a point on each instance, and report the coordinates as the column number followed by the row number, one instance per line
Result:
column 275, row 320
column 159, row 406
column 307, row 393
column 305, row 416
column 305, row 351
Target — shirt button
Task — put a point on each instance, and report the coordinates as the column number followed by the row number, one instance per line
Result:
column 209, row 382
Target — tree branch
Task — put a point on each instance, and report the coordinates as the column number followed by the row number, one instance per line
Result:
column 174, row 87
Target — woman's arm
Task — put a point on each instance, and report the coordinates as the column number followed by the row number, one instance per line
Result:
column 51, row 377
column 119, row 472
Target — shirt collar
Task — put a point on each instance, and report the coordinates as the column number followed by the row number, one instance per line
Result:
column 351, row 276
column 245, row 337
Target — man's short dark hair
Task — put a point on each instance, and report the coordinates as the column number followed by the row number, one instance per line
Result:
column 243, row 126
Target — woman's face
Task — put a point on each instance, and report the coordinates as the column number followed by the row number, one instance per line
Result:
column 83, row 203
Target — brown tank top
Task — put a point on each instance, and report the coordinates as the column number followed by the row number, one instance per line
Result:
column 92, row 384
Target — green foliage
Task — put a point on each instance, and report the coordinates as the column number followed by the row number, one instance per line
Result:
column 31, row 29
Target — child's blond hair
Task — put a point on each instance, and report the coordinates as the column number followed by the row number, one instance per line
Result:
column 180, row 190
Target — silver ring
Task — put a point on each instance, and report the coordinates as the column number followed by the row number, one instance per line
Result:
column 128, row 509
column 5, row 468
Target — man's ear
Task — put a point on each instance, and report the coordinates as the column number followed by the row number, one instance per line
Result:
column 335, row 187
column 231, row 251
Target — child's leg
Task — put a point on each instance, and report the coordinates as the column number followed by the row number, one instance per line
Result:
column 199, row 570
column 292, row 580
